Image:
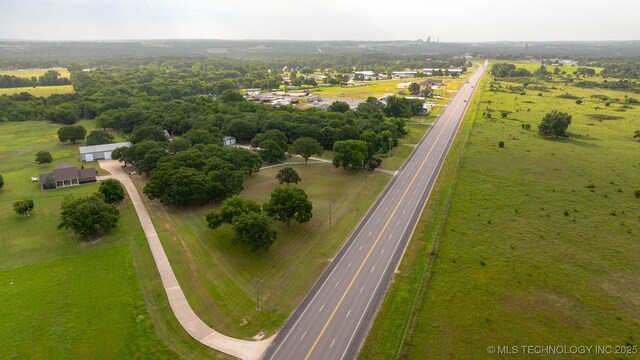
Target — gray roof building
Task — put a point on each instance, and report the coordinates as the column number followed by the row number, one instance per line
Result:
column 65, row 175
column 100, row 152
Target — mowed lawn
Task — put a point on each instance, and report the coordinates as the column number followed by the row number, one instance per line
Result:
column 541, row 244
column 219, row 277
column 20, row 141
column 64, row 298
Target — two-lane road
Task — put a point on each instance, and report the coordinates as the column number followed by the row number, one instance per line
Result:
column 334, row 318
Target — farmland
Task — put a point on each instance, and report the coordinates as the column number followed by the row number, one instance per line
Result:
column 42, row 91
column 29, row 73
column 540, row 242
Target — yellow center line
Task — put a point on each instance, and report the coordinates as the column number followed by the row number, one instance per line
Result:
column 374, row 244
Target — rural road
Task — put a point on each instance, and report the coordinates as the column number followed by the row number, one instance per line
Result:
column 333, row 320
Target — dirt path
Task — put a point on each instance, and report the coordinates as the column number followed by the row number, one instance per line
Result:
column 182, row 310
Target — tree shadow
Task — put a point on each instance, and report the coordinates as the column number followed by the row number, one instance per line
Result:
column 583, row 141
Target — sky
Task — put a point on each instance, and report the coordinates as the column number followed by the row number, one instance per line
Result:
column 451, row 21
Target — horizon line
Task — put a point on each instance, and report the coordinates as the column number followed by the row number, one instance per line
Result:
column 316, row 40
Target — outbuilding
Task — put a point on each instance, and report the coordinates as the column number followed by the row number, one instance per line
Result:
column 229, row 140
column 100, row 152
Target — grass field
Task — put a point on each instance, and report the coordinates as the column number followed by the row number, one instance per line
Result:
column 29, row 73
column 400, row 153
column 42, row 91
column 218, row 277
column 535, row 66
column 19, row 142
column 531, row 253
column 53, row 287
column 378, row 88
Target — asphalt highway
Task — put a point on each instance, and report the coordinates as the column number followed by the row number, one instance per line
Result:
column 334, row 318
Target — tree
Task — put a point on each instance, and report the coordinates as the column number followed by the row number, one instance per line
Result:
column 501, row 144
column 199, row 136
column 372, row 106
column 288, row 175
column 254, row 229
column 147, row 132
column 49, row 78
column 402, row 107
column 350, row 154
column 99, row 137
column 242, row 129
column 88, row 217
column 339, row 106
column 64, row 114
column 251, row 226
column 306, row 147
column 231, row 208
column 224, row 84
column 44, row 157
column 122, row 154
column 179, row 144
column 272, row 134
column 414, row 88
column 231, row 96
column 23, row 207
column 554, row 124
column 242, row 160
column 637, row 135
column 1, row 181
column 288, row 204
column 178, row 187
column 71, row 133
column 104, row 121
column 150, row 160
column 112, row 190
column 271, row 152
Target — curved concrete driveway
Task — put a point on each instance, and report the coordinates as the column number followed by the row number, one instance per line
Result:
column 181, row 309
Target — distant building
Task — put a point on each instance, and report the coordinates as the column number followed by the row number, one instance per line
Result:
column 431, row 83
column 229, row 140
column 404, row 74
column 66, row 175
column 430, row 71
column 100, row 152
column 364, row 73
column 281, row 102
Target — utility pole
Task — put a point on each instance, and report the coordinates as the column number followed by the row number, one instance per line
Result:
column 258, row 295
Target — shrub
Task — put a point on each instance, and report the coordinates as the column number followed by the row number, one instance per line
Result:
column 23, row 207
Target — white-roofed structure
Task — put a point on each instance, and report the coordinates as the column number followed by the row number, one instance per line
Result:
column 100, row 152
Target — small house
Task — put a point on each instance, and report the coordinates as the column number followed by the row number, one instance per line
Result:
column 66, row 175
column 100, row 152
column 229, row 140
